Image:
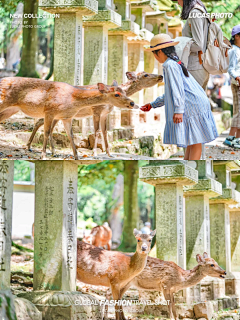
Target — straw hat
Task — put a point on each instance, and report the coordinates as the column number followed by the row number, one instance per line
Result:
column 161, row 41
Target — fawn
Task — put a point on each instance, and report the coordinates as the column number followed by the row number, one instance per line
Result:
column 100, row 236
column 169, row 278
column 137, row 82
column 55, row 100
column 111, row 268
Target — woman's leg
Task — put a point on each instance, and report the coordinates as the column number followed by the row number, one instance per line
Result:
column 195, row 151
column 233, row 132
column 187, row 152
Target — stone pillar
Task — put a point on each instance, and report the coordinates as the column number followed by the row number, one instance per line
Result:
column 220, row 220
column 68, row 38
column 6, row 197
column 169, row 177
column 55, row 234
column 118, row 53
column 55, row 243
column 96, row 42
column 198, row 220
column 233, row 280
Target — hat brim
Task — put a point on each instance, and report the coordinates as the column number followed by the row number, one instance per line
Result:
column 162, row 46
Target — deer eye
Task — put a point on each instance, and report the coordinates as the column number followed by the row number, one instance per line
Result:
column 117, row 95
column 149, row 240
column 138, row 240
column 212, row 265
column 146, row 75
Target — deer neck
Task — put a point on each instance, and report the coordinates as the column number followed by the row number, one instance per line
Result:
column 138, row 263
column 193, row 276
column 131, row 87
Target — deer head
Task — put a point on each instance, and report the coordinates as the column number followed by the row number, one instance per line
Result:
column 145, row 79
column 209, row 266
column 116, row 96
column 88, row 239
column 143, row 241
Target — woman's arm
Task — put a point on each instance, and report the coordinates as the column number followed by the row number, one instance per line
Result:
column 232, row 64
column 159, row 102
column 175, row 85
column 197, row 33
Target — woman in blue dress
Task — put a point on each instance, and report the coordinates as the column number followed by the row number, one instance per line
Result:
column 189, row 120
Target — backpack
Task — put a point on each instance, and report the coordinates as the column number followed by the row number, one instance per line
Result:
column 215, row 59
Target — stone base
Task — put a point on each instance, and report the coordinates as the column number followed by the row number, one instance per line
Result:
column 193, row 311
column 232, row 284
column 26, row 310
column 65, row 305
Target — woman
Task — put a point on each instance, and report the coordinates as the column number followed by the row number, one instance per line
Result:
column 234, row 72
column 189, row 120
column 197, row 29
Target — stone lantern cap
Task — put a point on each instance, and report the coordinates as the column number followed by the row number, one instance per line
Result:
column 144, row 37
column 229, row 196
column 128, row 28
column 147, row 5
column 179, row 173
column 210, row 187
column 108, row 18
column 158, row 17
column 85, row 7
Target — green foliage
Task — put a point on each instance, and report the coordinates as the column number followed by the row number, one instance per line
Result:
column 95, row 187
column 22, row 170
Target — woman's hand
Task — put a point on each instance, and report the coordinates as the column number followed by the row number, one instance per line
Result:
column 146, row 107
column 238, row 80
column 177, row 117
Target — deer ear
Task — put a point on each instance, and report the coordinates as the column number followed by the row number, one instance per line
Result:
column 199, row 258
column 102, row 88
column 152, row 234
column 131, row 75
column 114, row 84
column 136, row 232
column 205, row 255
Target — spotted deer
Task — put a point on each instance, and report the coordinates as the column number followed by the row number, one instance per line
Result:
column 168, row 278
column 137, row 82
column 55, row 101
column 100, row 236
column 112, row 269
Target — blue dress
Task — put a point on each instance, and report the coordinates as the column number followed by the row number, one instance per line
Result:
column 184, row 95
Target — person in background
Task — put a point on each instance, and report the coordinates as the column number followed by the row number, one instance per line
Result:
column 147, row 228
column 197, row 29
column 233, row 139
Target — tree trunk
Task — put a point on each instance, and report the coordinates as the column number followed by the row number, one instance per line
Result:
column 13, row 48
column 30, row 41
column 131, row 212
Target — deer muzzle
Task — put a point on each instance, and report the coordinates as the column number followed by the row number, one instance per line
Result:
column 144, row 247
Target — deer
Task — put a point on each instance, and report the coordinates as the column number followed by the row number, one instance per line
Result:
column 100, row 236
column 168, row 278
column 137, row 82
column 55, row 101
column 113, row 269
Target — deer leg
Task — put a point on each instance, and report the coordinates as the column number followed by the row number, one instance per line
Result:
column 104, row 132
column 108, row 296
column 7, row 113
column 173, row 307
column 96, row 123
column 109, row 244
column 167, row 297
column 38, row 124
column 122, row 291
column 47, row 128
column 115, row 288
column 68, row 127
column 55, row 121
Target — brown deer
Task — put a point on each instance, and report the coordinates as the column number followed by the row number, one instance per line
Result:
column 112, row 269
column 137, row 82
column 55, row 100
column 100, row 236
column 169, row 278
